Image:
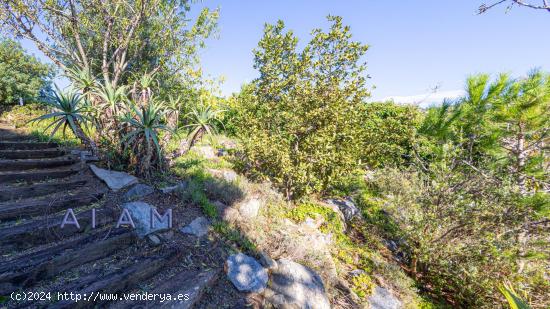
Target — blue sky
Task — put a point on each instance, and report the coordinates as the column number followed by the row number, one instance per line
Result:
column 416, row 45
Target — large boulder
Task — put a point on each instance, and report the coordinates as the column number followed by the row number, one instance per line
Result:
column 141, row 217
column 246, row 274
column 295, row 285
column 250, row 207
column 346, row 206
column 226, row 174
column 198, row 227
column 383, row 299
column 206, row 151
column 114, row 180
column 138, row 191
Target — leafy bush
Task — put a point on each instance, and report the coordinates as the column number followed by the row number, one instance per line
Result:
column 390, row 133
column 21, row 75
column 463, row 234
column 301, row 122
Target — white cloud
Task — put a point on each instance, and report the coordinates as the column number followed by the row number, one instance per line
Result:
column 426, row 99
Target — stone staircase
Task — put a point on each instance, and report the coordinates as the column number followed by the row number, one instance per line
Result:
column 38, row 183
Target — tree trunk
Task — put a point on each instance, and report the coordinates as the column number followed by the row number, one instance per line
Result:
column 145, row 166
column 521, row 157
column 88, row 142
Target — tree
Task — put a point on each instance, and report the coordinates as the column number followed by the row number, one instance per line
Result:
column 301, row 123
column 523, row 124
column 499, row 126
column 390, row 133
column 21, row 75
column 541, row 5
column 111, row 38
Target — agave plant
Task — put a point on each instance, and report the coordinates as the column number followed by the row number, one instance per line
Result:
column 142, row 125
column 201, row 120
column 69, row 109
column 174, row 108
column 514, row 300
column 112, row 98
column 82, row 78
column 141, row 91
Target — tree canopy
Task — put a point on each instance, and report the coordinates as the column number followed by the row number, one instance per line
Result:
column 21, row 75
column 113, row 39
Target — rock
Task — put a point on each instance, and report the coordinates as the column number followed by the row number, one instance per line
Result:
column 206, row 151
column 346, row 206
column 154, row 239
column 114, row 180
column 180, row 186
column 357, row 272
column 267, row 261
column 249, row 208
column 295, row 285
column 383, row 299
column 314, row 223
column 138, row 191
column 228, row 144
column 166, row 236
column 227, row 175
column 141, row 216
column 222, row 152
column 246, row 274
column 198, row 227
column 230, row 215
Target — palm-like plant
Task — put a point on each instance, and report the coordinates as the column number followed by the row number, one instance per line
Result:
column 141, row 91
column 111, row 99
column 201, row 120
column 69, row 110
column 142, row 125
column 174, row 108
column 82, row 78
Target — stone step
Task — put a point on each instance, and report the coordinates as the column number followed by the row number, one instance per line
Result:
column 13, row 145
column 40, row 231
column 40, row 174
column 25, row 270
column 120, row 281
column 190, row 283
column 8, row 193
column 50, row 205
column 25, row 164
column 32, row 154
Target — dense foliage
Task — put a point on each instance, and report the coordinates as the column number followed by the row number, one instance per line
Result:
column 301, row 118
column 116, row 40
column 460, row 189
column 21, row 75
column 472, row 210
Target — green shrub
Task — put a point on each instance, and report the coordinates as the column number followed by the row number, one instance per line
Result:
column 462, row 234
column 390, row 133
column 300, row 121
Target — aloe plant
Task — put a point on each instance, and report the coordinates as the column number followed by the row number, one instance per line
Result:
column 69, row 109
column 142, row 125
column 514, row 300
column 82, row 78
column 141, row 90
column 174, row 108
column 112, row 98
column 201, row 120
